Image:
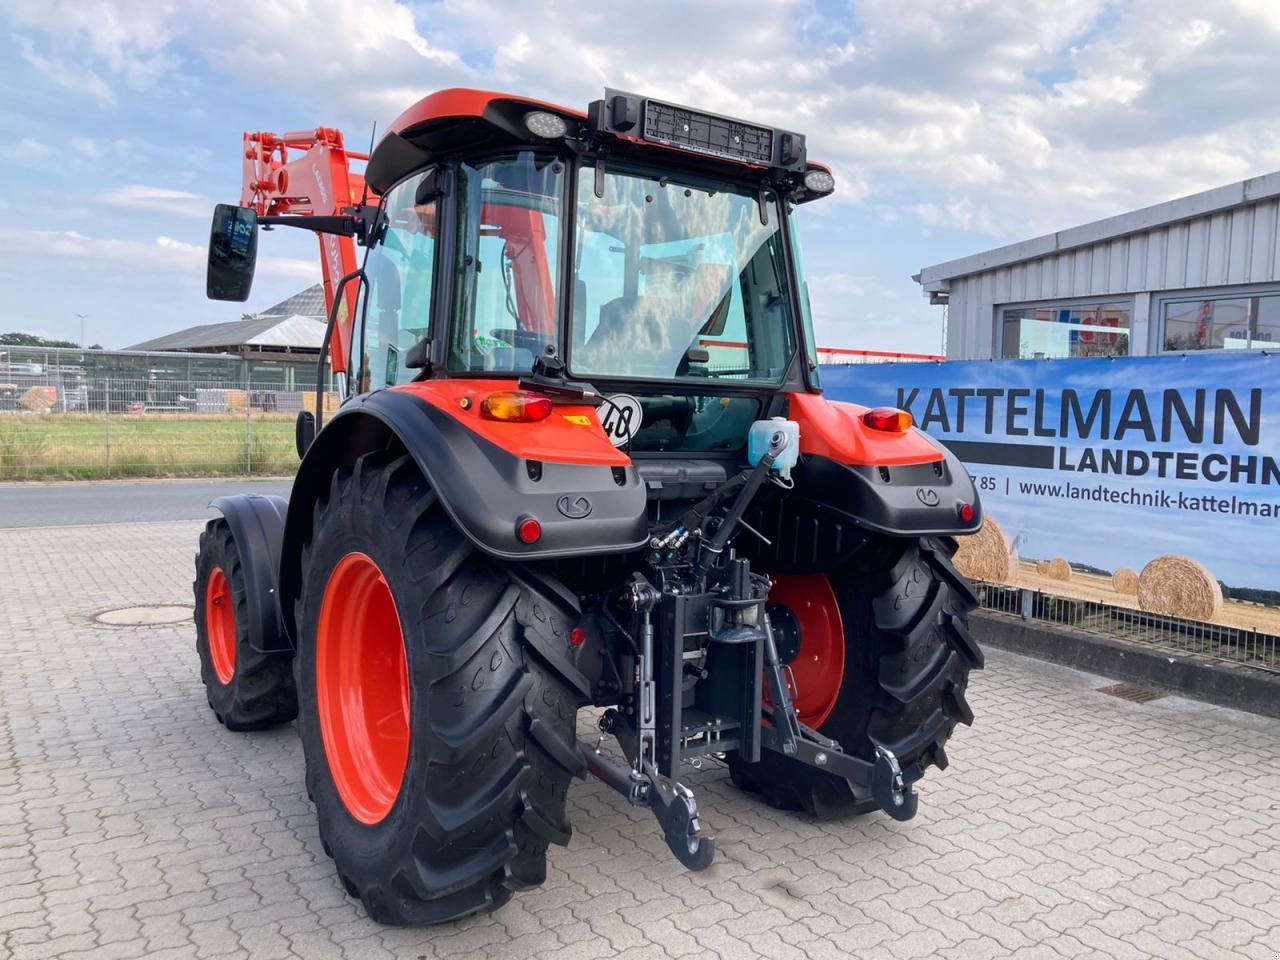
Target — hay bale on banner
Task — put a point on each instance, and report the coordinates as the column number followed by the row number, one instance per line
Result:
column 987, row 555
column 1125, row 581
column 1179, row 587
column 1055, row 569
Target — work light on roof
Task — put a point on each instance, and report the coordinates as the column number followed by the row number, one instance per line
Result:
column 547, row 125
column 819, row 181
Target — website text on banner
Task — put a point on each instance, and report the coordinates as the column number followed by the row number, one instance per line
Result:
column 1110, row 463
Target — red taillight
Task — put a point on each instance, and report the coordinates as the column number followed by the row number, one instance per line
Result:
column 516, row 406
column 888, row 419
column 577, row 637
column 528, row 529
column 965, row 512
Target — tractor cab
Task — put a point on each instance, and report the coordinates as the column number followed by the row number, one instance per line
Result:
column 646, row 248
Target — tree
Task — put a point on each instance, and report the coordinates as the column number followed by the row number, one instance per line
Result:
column 31, row 340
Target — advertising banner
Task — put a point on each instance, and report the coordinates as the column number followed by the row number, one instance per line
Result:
column 1110, row 463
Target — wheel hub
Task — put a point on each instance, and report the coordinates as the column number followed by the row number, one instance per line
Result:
column 786, row 631
column 809, row 631
column 362, row 688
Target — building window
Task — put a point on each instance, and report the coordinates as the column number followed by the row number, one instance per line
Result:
column 1060, row 330
column 1222, row 323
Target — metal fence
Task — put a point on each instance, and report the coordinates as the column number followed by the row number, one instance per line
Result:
column 1236, row 645
column 53, row 426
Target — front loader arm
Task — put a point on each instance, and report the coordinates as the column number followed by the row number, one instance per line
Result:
column 308, row 173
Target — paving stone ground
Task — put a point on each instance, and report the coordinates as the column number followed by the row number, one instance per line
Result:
column 1069, row 824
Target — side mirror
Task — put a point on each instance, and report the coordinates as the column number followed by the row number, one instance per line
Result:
column 233, row 252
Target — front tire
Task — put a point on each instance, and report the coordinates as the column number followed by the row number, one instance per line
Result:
column 246, row 689
column 881, row 655
column 439, row 735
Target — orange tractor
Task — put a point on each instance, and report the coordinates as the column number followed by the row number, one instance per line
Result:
column 582, row 459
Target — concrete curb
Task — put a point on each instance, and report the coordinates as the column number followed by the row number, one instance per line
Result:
column 1241, row 688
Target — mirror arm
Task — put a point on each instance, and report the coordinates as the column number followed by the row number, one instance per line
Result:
column 358, row 223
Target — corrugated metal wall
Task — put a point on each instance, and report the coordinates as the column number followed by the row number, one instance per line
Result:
column 1237, row 246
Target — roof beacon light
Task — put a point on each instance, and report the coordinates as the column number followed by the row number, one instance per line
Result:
column 888, row 419
column 819, row 181
column 545, row 125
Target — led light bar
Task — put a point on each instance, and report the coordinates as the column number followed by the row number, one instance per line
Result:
column 698, row 131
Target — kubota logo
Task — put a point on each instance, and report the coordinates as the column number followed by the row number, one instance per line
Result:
column 575, row 508
column 926, row 496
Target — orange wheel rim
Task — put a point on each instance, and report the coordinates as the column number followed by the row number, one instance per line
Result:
column 220, row 625
column 816, row 672
column 362, row 688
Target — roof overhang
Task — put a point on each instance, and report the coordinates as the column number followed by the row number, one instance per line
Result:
column 461, row 119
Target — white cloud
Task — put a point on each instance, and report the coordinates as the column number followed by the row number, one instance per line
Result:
column 959, row 214
column 308, row 270
column 25, row 150
column 79, row 251
column 86, row 146
column 344, row 57
column 988, row 117
column 159, row 200
column 66, row 74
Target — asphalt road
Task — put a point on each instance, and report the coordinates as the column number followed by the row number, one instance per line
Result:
column 71, row 503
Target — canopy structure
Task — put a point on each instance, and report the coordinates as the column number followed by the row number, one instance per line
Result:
column 295, row 325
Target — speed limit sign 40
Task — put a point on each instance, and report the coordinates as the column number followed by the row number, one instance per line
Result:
column 620, row 416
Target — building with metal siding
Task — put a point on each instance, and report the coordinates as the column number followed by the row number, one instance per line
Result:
column 1193, row 274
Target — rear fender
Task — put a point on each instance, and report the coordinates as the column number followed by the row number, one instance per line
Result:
column 257, row 525
column 584, row 509
column 902, row 484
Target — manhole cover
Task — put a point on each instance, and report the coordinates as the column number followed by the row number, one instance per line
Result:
column 1127, row 691
column 150, row 616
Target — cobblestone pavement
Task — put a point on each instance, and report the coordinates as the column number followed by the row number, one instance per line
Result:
column 1070, row 823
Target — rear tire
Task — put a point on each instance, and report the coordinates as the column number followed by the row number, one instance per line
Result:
column 907, row 654
column 488, row 712
column 246, row 689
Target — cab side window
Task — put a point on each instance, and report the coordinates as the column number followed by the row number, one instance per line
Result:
column 399, row 272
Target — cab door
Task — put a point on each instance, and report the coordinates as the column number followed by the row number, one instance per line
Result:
column 400, row 280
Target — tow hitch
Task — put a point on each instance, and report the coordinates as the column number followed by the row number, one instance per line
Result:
column 673, row 805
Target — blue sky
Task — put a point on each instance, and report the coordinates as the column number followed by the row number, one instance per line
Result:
column 952, row 127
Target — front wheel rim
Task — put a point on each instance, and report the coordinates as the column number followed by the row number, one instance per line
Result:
column 816, row 671
column 362, row 688
column 220, row 625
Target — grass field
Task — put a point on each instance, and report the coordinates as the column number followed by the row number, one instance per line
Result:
column 93, row 446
